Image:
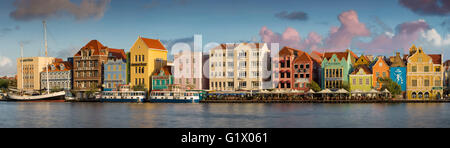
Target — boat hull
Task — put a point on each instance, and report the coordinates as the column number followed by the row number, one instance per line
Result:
column 122, row 100
column 59, row 96
column 173, row 101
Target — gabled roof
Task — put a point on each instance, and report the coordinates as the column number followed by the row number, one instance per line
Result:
column 292, row 51
column 67, row 66
column 316, row 56
column 93, row 45
column 437, row 58
column 303, row 58
column 118, row 53
column 166, row 70
column 153, row 43
column 362, row 67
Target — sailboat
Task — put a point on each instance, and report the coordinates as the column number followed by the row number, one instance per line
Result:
column 48, row 95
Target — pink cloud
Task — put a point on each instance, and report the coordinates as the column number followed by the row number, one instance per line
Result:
column 291, row 38
column 341, row 38
column 406, row 34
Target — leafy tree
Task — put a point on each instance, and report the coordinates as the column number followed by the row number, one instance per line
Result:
column 4, row 84
column 139, row 88
column 314, row 86
column 390, row 85
column 55, row 89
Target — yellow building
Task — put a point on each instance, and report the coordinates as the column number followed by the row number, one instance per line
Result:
column 424, row 75
column 146, row 57
column 29, row 73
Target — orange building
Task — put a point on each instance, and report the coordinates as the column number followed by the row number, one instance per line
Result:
column 379, row 70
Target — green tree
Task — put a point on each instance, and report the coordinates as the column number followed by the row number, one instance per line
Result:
column 390, row 85
column 314, row 86
column 139, row 88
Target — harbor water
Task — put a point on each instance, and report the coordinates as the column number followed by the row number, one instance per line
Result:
column 106, row 115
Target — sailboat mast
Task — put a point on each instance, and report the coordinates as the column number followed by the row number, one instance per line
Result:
column 46, row 53
column 21, row 62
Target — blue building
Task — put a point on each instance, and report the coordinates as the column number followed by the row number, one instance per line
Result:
column 115, row 74
column 398, row 75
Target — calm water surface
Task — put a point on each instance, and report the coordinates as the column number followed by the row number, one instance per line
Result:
column 14, row 114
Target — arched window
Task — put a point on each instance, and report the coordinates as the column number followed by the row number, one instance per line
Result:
column 414, row 95
column 420, row 95
column 427, row 95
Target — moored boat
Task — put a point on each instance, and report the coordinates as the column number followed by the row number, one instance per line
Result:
column 176, row 97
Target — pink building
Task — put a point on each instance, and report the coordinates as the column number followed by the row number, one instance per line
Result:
column 190, row 70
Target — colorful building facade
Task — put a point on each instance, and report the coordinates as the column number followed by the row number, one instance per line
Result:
column 147, row 56
column 425, row 75
column 398, row 70
column 162, row 80
column 59, row 76
column 115, row 72
column 361, row 79
column 88, row 66
column 336, row 67
column 295, row 70
column 380, row 70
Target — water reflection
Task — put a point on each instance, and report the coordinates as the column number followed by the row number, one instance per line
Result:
column 222, row 115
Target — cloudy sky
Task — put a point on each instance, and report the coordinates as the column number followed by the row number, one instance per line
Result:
column 378, row 27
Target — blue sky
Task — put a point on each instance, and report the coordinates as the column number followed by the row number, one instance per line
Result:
column 218, row 21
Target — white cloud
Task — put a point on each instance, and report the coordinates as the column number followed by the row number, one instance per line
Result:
column 7, row 66
column 433, row 38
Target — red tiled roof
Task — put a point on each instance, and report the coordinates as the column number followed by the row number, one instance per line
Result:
column 303, row 58
column 67, row 66
column 437, row 58
column 363, row 67
column 95, row 45
column 154, row 44
column 118, row 53
column 166, row 69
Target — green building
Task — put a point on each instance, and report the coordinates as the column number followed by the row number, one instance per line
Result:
column 361, row 79
column 336, row 67
column 162, row 80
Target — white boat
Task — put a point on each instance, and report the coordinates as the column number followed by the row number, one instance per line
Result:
column 123, row 96
column 48, row 96
column 51, row 96
column 176, row 97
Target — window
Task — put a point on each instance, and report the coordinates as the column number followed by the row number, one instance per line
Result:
column 367, row 81
column 354, row 81
column 437, row 82
column 296, row 66
column 307, row 75
column 426, row 82
column 360, row 81
column 426, row 69
column 438, row 69
column 230, row 84
column 414, row 68
column 301, row 66
column 414, row 83
column 295, row 75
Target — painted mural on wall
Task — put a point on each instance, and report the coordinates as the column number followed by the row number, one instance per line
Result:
column 398, row 75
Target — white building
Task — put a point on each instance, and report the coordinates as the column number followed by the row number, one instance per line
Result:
column 245, row 66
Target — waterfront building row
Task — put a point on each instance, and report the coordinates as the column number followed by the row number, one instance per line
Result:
column 234, row 67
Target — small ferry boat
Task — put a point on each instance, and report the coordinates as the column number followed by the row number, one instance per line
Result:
column 176, row 96
column 123, row 95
